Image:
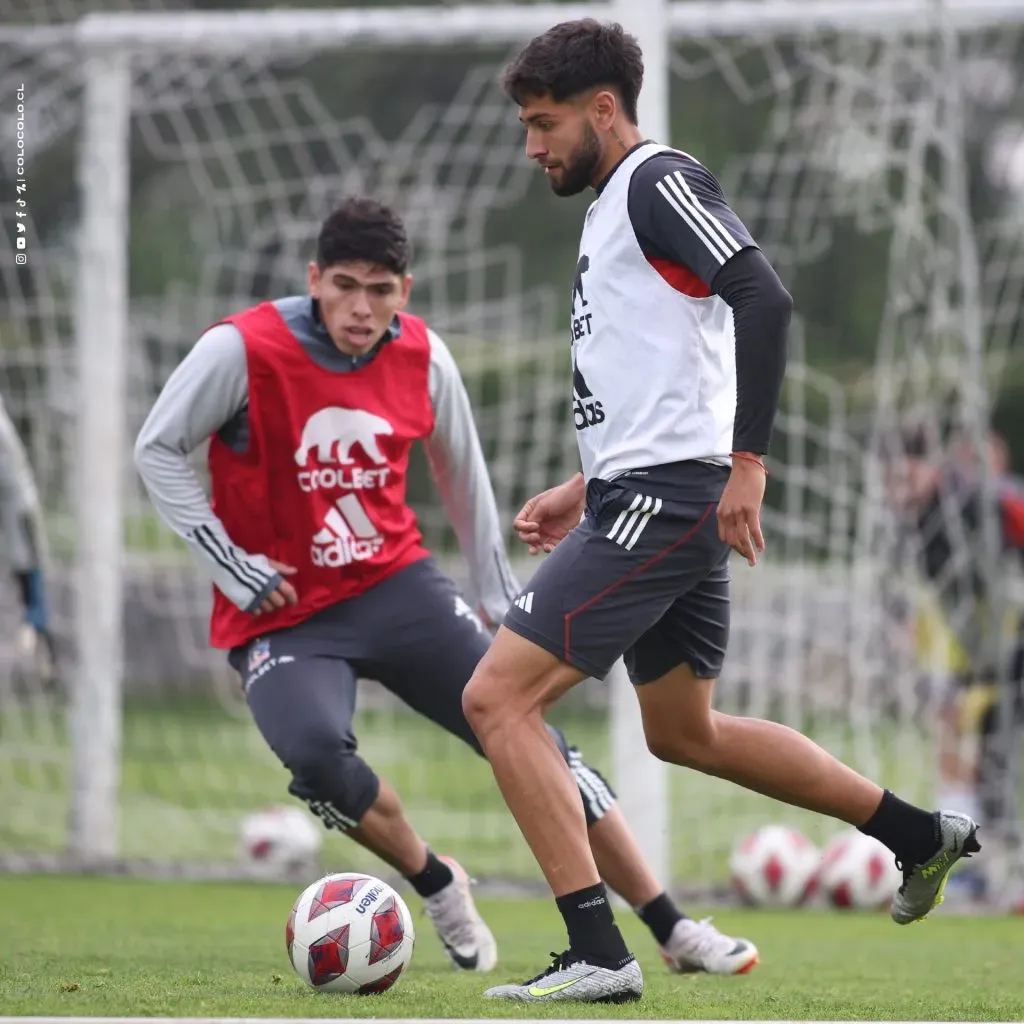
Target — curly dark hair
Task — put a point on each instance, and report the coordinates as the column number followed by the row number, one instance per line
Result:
column 575, row 56
column 363, row 230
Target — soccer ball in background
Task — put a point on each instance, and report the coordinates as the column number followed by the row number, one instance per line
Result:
column 280, row 840
column 350, row 933
column 776, row 866
column 858, row 872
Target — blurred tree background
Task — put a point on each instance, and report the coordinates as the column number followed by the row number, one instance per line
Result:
column 839, row 296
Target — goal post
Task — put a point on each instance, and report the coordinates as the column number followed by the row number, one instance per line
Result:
column 219, row 137
column 109, row 41
column 101, row 321
column 641, row 778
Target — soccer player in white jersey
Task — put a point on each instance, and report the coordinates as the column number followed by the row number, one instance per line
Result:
column 21, row 523
column 678, row 336
column 311, row 405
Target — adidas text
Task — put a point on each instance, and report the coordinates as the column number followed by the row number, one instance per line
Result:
column 587, row 414
column 348, row 535
column 344, row 552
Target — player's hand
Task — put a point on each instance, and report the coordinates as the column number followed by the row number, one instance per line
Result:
column 739, row 510
column 38, row 650
column 285, row 592
column 546, row 519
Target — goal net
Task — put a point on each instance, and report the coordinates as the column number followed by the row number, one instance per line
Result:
column 883, row 174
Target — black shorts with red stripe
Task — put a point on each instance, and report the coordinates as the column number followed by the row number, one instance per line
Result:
column 644, row 576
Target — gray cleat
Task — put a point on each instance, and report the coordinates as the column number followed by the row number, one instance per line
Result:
column 572, row 979
column 921, row 891
column 463, row 932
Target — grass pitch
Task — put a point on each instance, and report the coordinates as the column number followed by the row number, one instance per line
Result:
column 86, row 946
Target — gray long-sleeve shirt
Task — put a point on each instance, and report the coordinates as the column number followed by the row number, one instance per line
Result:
column 20, row 515
column 208, row 394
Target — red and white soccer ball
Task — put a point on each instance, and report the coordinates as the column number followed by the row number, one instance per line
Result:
column 280, row 839
column 858, row 872
column 776, row 866
column 350, row 933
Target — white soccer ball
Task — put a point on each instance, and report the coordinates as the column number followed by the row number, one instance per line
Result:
column 280, row 839
column 858, row 872
column 350, row 933
column 776, row 866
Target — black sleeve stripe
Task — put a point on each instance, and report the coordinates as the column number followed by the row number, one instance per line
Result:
column 705, row 225
column 228, row 560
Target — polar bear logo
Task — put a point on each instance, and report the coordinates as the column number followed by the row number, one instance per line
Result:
column 336, row 429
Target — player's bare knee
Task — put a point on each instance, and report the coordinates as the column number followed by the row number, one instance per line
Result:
column 691, row 744
column 492, row 701
column 516, row 680
column 480, row 700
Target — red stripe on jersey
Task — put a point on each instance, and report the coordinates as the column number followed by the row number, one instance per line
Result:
column 681, row 277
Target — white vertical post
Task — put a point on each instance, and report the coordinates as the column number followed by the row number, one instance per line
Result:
column 641, row 779
column 101, row 323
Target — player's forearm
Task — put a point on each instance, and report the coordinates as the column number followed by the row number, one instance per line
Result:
column 465, row 487
column 460, row 472
column 206, row 391
column 762, row 309
column 577, row 483
column 177, row 496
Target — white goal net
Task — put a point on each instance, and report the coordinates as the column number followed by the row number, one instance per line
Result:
column 882, row 170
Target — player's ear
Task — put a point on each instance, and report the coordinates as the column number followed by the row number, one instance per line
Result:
column 406, row 290
column 603, row 107
column 313, row 279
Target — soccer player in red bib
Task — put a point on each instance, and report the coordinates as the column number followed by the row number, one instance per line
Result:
column 312, row 404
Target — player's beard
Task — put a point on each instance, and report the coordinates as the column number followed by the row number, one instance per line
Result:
column 579, row 170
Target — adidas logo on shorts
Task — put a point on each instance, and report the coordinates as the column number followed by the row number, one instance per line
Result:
column 525, row 602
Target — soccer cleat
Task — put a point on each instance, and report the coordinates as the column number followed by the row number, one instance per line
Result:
column 571, row 979
column 921, row 891
column 700, row 946
column 466, row 938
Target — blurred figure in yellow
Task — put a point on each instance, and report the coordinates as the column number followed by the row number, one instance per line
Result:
column 939, row 496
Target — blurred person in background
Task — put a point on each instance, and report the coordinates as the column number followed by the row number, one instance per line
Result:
column 22, row 525
column 938, row 494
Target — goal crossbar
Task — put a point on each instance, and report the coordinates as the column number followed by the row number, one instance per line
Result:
column 107, row 43
column 499, row 24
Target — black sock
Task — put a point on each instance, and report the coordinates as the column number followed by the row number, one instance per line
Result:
column 661, row 915
column 912, row 834
column 593, row 933
column 433, row 878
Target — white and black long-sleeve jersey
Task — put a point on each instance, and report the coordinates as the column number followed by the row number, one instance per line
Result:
column 208, row 394
column 678, row 322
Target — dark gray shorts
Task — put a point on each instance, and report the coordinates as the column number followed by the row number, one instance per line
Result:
column 413, row 633
column 644, row 577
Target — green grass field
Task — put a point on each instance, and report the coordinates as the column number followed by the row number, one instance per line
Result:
column 87, row 946
column 192, row 770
